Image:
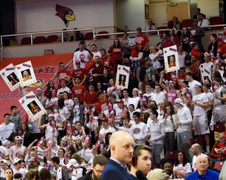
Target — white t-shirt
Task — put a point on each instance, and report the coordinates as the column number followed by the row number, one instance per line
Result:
column 103, row 132
column 6, row 130
column 96, row 54
column 134, row 101
column 3, row 152
column 181, row 59
column 182, row 169
column 138, row 132
column 115, row 92
column 68, row 103
column 63, row 112
column 62, row 90
column 192, row 86
column 21, row 171
column 80, row 55
column 200, row 98
column 210, row 98
column 156, row 63
column 159, row 97
column 51, row 101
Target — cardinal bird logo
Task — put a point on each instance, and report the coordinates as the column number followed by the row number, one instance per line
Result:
column 66, row 14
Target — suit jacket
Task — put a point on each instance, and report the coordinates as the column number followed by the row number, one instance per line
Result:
column 113, row 171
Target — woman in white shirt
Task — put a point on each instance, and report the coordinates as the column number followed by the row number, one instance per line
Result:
column 67, row 101
column 112, row 89
column 154, row 56
column 169, row 120
column 181, row 168
column 135, row 99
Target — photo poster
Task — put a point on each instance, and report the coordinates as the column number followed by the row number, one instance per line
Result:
column 32, row 106
column 171, row 59
column 122, row 77
column 10, row 77
column 25, row 73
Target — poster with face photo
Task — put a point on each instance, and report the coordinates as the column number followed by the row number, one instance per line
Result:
column 32, row 106
column 171, row 59
column 9, row 76
column 122, row 77
column 25, row 73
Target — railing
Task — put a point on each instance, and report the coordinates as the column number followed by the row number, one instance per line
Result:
column 68, row 66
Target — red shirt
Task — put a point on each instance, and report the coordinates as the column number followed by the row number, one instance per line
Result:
column 79, row 73
column 91, row 98
column 89, row 66
column 142, row 40
column 109, row 64
column 79, row 91
column 167, row 43
column 63, row 75
column 222, row 49
column 101, row 105
column 116, row 53
column 97, row 70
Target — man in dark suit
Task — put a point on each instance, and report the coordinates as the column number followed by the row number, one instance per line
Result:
column 121, row 146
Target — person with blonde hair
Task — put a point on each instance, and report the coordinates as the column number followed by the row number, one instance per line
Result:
column 157, row 174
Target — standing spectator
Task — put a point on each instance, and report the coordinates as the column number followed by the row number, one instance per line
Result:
column 95, row 51
column 97, row 71
column 197, row 12
column 135, row 99
column 77, row 113
column 185, row 39
column 17, row 168
column 142, row 40
column 154, row 57
column 221, row 47
column 158, row 95
column 191, row 82
column 17, row 151
column 196, row 150
column 202, row 170
column 173, row 37
column 116, row 51
column 138, row 129
column 182, row 167
column 81, row 72
column 181, row 56
column 91, row 98
column 125, row 46
column 200, row 123
column 6, row 128
column 212, row 48
column 50, row 87
column 81, row 55
column 207, row 67
column 126, row 98
column 15, row 118
column 63, row 88
column 78, row 90
column 61, row 172
column 112, row 89
column 197, row 33
column 157, row 132
column 183, row 124
column 62, row 73
column 169, row 120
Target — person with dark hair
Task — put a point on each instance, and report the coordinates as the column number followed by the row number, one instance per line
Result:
column 61, row 171
column 81, row 55
column 62, row 73
column 8, row 174
column 116, row 51
column 6, row 128
column 50, row 86
column 31, row 175
column 15, row 118
column 97, row 168
column 191, row 82
column 95, row 51
column 79, row 72
column 91, row 98
column 63, row 88
column 181, row 167
column 138, row 129
column 212, row 48
column 156, row 131
column 77, row 112
column 168, row 168
column 142, row 40
column 141, row 160
column 197, row 12
column 203, row 22
column 44, row 174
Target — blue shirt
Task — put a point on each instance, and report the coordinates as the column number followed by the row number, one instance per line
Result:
column 210, row 175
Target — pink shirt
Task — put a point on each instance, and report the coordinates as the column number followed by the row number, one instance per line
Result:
column 171, row 96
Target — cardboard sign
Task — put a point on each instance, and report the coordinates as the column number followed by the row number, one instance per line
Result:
column 32, row 106
column 25, row 73
column 122, row 77
column 10, row 77
column 171, row 59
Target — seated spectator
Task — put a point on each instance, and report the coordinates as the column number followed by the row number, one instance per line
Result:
column 149, row 26
column 203, row 22
column 168, row 168
column 66, row 36
column 202, row 170
column 175, row 22
column 197, row 12
column 182, row 167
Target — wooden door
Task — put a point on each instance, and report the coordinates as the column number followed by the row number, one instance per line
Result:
column 180, row 11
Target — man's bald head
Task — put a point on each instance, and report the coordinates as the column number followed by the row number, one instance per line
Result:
column 121, row 145
column 196, row 149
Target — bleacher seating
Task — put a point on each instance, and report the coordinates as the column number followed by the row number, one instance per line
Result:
column 52, row 38
column 88, row 36
column 104, row 36
column 215, row 21
column 26, row 41
column 187, row 22
column 39, row 39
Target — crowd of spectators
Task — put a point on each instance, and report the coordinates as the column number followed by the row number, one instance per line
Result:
column 163, row 112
